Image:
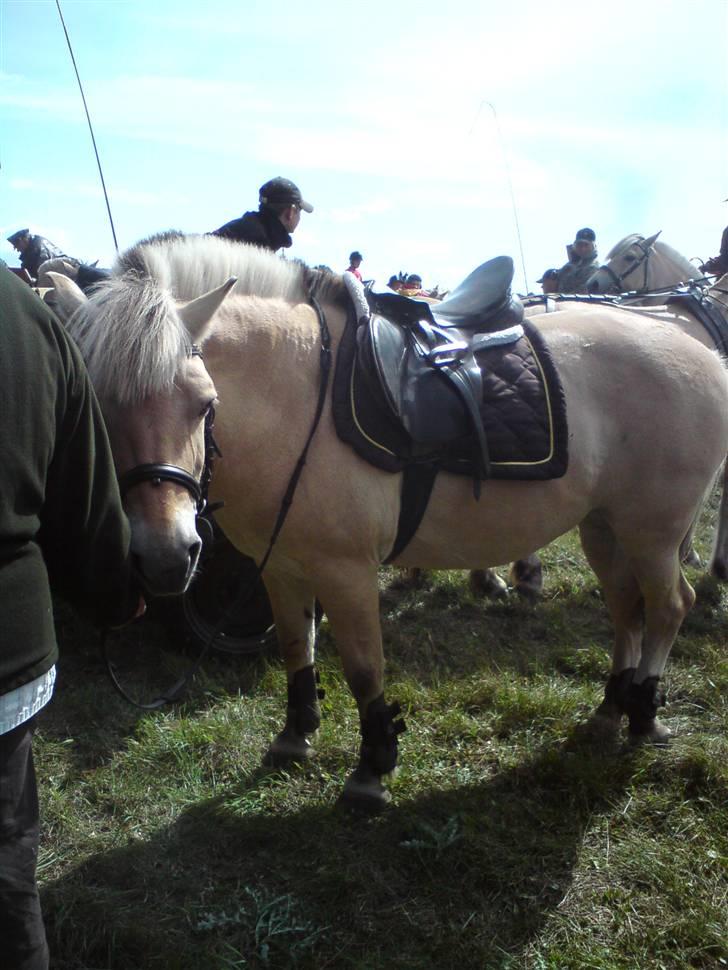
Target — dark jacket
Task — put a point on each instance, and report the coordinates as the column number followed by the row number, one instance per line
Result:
column 39, row 250
column 574, row 274
column 718, row 265
column 262, row 228
column 61, row 522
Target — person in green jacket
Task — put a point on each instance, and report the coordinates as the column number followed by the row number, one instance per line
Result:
column 583, row 262
column 62, row 528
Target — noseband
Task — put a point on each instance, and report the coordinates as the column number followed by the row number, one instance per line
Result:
column 644, row 261
column 157, row 472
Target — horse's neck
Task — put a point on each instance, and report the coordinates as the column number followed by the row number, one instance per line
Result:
column 668, row 267
column 266, row 354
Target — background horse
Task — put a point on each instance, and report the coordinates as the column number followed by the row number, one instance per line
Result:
column 640, row 465
column 638, row 265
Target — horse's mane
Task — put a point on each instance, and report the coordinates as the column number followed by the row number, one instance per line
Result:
column 682, row 263
column 129, row 331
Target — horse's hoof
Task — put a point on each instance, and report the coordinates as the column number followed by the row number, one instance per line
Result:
column 691, row 558
column 484, row 582
column 527, row 578
column 288, row 749
column 601, row 730
column 658, row 734
column 364, row 793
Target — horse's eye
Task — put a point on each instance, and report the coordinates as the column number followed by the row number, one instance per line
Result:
column 630, row 258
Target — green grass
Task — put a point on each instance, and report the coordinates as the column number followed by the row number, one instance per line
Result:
column 510, row 842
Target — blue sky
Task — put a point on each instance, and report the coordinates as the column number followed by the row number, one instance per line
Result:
column 424, row 134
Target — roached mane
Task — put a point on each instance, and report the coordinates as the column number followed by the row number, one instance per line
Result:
column 129, row 331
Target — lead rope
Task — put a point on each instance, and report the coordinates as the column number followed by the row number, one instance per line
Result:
column 171, row 695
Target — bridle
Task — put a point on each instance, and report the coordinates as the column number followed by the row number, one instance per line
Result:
column 157, row 472
column 644, row 261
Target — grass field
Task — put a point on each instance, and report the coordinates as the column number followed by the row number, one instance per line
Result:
column 509, row 843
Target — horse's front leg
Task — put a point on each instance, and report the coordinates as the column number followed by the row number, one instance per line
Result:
column 293, row 607
column 350, row 597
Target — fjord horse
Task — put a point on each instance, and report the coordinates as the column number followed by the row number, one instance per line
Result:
column 640, row 265
column 172, row 332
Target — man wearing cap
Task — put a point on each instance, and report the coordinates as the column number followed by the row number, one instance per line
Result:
column 550, row 281
column 33, row 250
column 279, row 212
column 583, row 261
column 355, row 261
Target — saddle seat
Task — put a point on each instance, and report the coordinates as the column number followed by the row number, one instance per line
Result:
column 423, row 356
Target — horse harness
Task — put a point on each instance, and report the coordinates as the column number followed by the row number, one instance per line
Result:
column 157, row 472
column 644, row 261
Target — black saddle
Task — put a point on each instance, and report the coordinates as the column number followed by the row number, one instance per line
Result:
column 423, row 356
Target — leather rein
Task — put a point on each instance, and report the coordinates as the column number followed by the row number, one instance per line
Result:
column 158, row 472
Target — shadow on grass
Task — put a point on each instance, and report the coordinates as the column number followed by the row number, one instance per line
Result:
column 458, row 878
column 150, row 659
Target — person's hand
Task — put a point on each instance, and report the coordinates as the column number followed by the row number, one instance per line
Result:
column 141, row 609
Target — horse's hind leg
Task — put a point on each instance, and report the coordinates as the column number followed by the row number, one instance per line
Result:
column 293, row 608
column 668, row 599
column 624, row 601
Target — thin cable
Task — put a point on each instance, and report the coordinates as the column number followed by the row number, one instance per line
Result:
column 509, row 180
column 90, row 127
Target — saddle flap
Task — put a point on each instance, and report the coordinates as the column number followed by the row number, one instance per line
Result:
column 418, row 393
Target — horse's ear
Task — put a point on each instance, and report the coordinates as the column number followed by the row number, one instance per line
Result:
column 67, row 297
column 197, row 314
column 649, row 243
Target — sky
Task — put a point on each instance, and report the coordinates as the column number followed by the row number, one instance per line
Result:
column 428, row 136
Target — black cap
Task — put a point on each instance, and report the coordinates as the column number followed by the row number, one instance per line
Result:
column 414, row 279
column 355, row 255
column 587, row 234
column 280, row 191
column 18, row 235
column 549, row 274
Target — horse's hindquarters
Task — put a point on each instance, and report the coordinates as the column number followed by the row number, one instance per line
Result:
column 636, row 450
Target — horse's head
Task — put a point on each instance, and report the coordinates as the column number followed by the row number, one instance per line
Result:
column 157, row 398
column 627, row 267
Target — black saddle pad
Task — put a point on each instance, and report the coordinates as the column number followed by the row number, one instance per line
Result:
column 523, row 408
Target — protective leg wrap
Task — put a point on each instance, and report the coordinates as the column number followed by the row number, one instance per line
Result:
column 642, row 702
column 304, row 694
column 379, row 733
column 615, row 693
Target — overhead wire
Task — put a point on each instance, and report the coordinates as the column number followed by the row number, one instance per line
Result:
column 90, row 126
column 506, row 166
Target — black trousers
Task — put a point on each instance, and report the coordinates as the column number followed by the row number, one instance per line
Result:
column 22, row 935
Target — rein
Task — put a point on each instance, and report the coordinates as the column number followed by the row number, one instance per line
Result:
column 157, row 472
